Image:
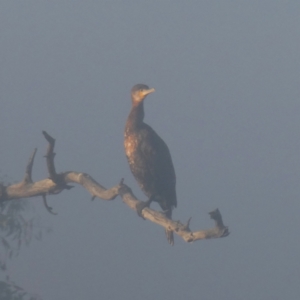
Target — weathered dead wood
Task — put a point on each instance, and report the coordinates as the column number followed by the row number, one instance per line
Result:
column 48, row 187
column 180, row 229
column 57, row 182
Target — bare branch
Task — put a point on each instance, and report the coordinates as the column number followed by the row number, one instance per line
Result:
column 48, row 208
column 180, row 229
column 50, row 156
column 57, row 182
column 48, row 187
column 28, row 173
column 91, row 185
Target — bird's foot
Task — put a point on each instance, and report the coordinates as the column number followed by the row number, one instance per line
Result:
column 167, row 213
column 141, row 205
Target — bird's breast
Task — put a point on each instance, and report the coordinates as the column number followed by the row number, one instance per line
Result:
column 130, row 144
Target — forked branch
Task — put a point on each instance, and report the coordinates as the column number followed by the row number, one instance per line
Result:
column 57, row 182
column 180, row 229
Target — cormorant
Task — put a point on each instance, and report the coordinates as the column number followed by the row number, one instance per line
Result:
column 149, row 158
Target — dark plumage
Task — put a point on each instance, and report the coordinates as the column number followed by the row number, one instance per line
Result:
column 149, row 157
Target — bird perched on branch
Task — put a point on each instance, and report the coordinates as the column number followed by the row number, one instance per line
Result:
column 149, row 158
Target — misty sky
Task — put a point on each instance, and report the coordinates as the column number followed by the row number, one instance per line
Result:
column 226, row 75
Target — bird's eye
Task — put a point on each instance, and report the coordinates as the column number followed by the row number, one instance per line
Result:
column 141, row 90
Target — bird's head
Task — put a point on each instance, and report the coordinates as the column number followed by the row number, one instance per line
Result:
column 139, row 93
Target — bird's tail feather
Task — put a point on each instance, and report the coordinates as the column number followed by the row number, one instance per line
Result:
column 169, row 233
column 170, row 237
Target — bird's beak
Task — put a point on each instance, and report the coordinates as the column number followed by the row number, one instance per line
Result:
column 147, row 92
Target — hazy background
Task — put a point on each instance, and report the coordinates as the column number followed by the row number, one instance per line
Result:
column 226, row 75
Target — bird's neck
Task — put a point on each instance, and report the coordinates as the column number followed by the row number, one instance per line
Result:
column 136, row 116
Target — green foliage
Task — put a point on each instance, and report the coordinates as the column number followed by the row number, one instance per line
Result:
column 10, row 291
column 19, row 225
